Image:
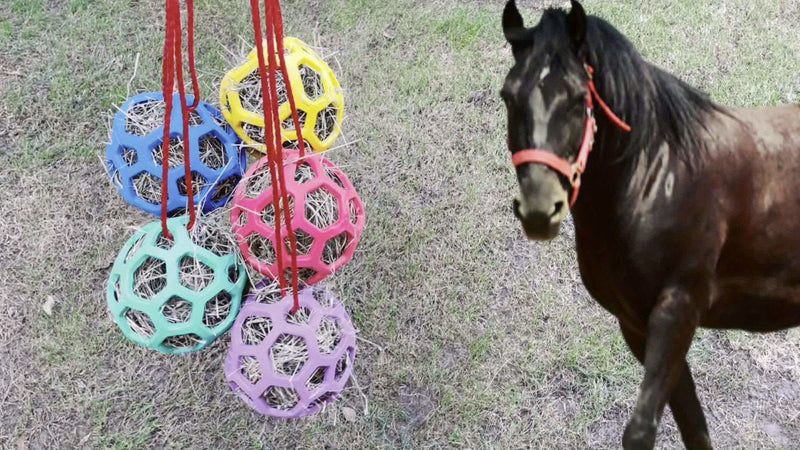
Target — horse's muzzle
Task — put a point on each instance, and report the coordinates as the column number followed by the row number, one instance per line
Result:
column 537, row 225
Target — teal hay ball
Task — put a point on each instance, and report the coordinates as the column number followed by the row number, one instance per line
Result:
column 176, row 295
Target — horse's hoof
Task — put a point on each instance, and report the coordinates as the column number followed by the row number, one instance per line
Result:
column 639, row 436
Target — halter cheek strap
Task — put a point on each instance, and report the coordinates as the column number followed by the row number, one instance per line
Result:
column 573, row 171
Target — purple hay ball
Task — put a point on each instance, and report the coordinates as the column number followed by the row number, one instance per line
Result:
column 289, row 365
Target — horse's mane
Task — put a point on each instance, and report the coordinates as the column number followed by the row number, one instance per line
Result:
column 658, row 106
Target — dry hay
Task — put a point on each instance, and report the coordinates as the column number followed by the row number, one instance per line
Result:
column 142, row 118
column 212, row 152
column 250, row 368
column 148, row 187
column 322, row 208
column 257, row 183
column 150, row 278
column 182, row 341
column 335, row 248
column 217, row 309
column 213, row 232
column 261, row 248
column 312, row 82
column 198, row 182
column 140, row 323
column 288, row 123
column 326, row 122
column 281, row 398
column 268, row 293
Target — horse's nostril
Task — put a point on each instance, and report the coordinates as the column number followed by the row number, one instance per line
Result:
column 557, row 208
column 515, row 207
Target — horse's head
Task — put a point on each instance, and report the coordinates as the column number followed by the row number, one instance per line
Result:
column 546, row 97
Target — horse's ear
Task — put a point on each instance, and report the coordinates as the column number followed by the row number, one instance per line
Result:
column 576, row 26
column 513, row 27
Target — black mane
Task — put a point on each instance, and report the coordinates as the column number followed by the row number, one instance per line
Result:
column 658, row 106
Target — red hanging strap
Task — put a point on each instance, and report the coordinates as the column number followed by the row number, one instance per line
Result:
column 268, row 73
column 172, row 66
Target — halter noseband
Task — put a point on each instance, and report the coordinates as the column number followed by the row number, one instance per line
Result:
column 574, row 170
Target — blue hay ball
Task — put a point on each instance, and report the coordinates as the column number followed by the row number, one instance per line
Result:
column 134, row 156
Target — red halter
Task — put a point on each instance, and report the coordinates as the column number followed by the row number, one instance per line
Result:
column 574, row 170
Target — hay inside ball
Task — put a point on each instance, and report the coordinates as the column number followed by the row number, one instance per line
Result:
column 317, row 95
column 177, row 295
column 288, row 364
column 327, row 217
column 134, row 158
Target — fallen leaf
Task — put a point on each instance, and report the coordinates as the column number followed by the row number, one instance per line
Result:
column 349, row 414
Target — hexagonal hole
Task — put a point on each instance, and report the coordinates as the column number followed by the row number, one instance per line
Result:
column 312, row 82
column 322, row 209
column 250, row 94
column 353, row 212
column 225, row 189
column 194, row 274
column 288, row 354
column 261, row 248
column 148, row 187
column 257, row 183
column 316, row 378
column 269, row 293
column 197, row 184
column 142, row 118
column 300, row 317
column 175, row 153
column 130, row 156
column 335, row 248
column 343, row 364
column 233, row 274
column 134, row 248
column 304, row 173
column 164, row 242
column 268, row 214
column 288, row 123
column 255, row 329
column 281, row 398
column 241, row 218
column 254, row 132
column 150, row 278
column 326, row 122
column 250, row 368
column 217, row 309
column 304, row 242
column 140, row 323
column 212, row 152
column 329, row 334
column 183, row 341
column 333, row 174
column 117, row 292
column 177, row 310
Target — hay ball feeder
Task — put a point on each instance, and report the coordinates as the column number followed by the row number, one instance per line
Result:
column 176, row 296
column 327, row 217
column 288, row 364
column 134, row 156
column 317, row 94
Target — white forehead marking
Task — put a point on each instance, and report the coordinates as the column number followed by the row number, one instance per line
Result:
column 541, row 114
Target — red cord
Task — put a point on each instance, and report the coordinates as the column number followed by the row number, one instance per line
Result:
column 172, row 66
column 269, row 92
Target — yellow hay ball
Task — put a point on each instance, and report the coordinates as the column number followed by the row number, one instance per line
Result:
column 317, row 95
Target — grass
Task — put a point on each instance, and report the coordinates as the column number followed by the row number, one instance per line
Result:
column 481, row 338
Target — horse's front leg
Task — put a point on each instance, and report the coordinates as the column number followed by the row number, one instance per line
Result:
column 670, row 329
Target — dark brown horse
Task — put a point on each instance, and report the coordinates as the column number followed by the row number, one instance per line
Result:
column 690, row 219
